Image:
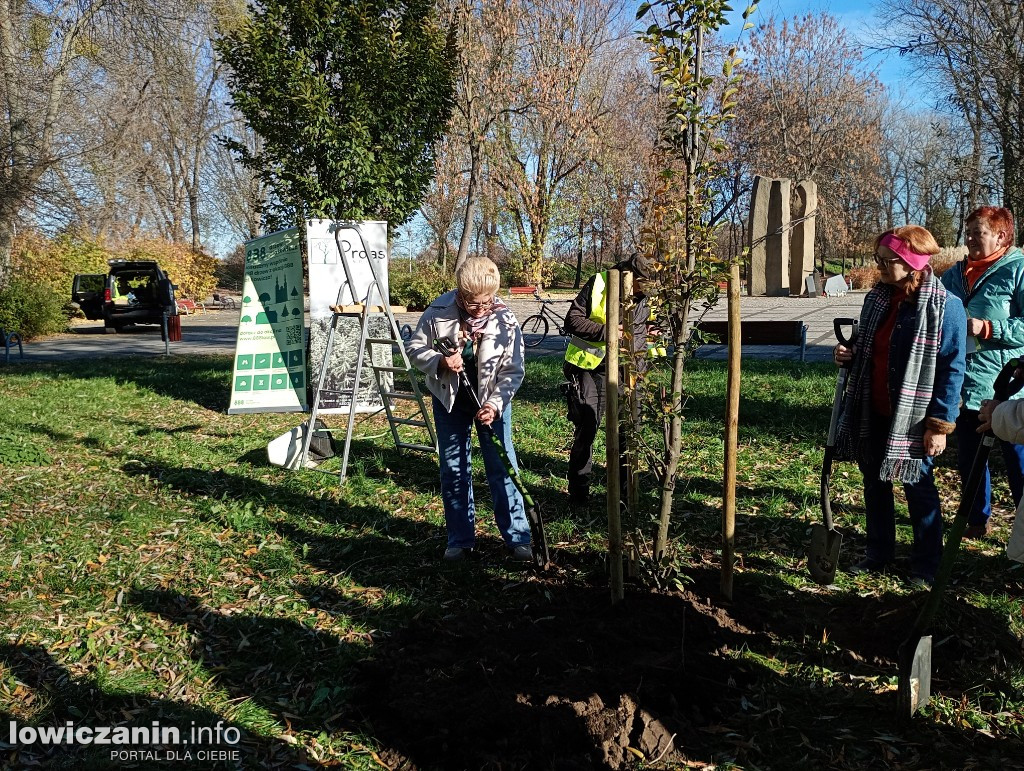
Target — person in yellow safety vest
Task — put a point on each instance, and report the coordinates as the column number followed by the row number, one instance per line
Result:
column 584, row 367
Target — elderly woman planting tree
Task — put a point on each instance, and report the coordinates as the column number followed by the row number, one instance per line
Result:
column 903, row 395
column 489, row 346
column 989, row 282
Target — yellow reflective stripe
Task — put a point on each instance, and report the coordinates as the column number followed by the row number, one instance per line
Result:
column 597, row 309
column 588, row 346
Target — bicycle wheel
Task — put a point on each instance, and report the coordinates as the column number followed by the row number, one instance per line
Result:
column 535, row 329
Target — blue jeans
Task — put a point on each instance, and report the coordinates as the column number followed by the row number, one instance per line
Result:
column 455, row 442
column 922, row 501
column 967, row 441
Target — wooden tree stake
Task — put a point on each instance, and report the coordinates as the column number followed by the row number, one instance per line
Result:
column 732, row 420
column 611, row 430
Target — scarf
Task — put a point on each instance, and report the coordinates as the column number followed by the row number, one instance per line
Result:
column 904, row 447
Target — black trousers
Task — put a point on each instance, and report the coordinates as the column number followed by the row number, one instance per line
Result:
column 585, row 403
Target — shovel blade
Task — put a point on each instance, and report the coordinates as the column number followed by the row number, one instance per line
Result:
column 823, row 555
column 915, row 684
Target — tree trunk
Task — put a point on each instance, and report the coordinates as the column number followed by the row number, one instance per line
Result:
column 579, row 260
column 470, row 210
column 6, row 246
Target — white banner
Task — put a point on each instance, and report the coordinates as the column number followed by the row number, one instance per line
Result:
column 269, row 367
column 360, row 242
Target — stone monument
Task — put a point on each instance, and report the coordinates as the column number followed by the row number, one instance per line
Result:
column 802, row 246
column 781, row 251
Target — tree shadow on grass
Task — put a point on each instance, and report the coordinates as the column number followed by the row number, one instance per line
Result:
column 832, row 640
column 54, row 696
column 472, row 661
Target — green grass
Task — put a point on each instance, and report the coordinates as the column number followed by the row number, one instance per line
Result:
column 153, row 563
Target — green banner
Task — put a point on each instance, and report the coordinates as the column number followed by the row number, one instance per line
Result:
column 269, row 373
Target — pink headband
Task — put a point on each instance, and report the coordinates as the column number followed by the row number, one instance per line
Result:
column 902, row 250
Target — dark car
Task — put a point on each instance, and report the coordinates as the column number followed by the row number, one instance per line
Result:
column 133, row 292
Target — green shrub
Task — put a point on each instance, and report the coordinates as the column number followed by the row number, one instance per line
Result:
column 16, row 450
column 32, row 309
column 54, row 262
column 419, row 288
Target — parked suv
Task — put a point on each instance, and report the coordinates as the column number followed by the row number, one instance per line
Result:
column 133, row 292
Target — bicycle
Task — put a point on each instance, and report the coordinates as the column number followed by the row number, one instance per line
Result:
column 538, row 324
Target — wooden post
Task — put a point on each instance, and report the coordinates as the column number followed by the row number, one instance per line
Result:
column 632, row 408
column 732, row 420
column 611, row 430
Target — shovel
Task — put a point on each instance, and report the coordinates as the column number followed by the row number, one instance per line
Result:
column 823, row 554
column 539, row 545
column 914, row 690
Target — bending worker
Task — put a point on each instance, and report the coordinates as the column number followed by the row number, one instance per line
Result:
column 584, row 367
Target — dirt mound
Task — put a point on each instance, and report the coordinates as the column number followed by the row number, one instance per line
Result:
column 567, row 684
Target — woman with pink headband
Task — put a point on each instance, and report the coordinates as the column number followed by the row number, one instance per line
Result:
column 988, row 282
column 903, row 396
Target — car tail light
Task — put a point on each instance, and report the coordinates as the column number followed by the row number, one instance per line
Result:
column 106, row 295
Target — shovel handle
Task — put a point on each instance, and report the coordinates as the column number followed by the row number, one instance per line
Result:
column 1006, row 384
column 839, row 324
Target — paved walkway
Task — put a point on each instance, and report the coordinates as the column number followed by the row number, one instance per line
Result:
column 214, row 332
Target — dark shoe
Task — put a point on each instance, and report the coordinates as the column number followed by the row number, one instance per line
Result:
column 522, row 553
column 868, row 565
column 978, row 531
column 456, row 553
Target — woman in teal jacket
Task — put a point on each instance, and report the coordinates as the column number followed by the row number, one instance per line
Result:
column 990, row 281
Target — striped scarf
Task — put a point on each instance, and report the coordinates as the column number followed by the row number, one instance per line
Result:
column 904, row 448
column 474, row 326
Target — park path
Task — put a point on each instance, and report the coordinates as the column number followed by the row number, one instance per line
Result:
column 214, row 332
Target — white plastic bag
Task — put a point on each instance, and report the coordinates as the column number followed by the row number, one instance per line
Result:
column 286, row 449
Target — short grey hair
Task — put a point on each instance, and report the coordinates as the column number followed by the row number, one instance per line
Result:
column 478, row 275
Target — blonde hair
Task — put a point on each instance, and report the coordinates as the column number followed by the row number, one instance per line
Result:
column 478, row 275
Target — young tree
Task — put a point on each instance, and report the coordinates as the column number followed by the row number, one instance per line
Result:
column 349, row 98
column 682, row 232
column 441, row 202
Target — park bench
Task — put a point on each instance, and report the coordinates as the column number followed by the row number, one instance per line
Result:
column 10, row 338
column 522, row 289
column 187, row 306
column 790, row 332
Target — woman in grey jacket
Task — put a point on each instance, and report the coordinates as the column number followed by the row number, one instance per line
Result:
column 489, row 346
column 990, row 282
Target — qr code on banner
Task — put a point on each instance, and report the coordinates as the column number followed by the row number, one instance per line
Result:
column 293, row 334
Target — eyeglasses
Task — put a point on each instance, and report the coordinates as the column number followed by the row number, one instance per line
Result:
column 475, row 306
column 883, row 262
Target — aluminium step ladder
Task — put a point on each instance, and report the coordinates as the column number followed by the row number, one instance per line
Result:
column 384, row 375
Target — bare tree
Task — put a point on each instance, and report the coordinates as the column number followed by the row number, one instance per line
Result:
column 568, row 58
column 973, row 51
column 809, row 110
column 41, row 45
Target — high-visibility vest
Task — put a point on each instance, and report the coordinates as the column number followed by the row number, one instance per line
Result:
column 588, row 354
